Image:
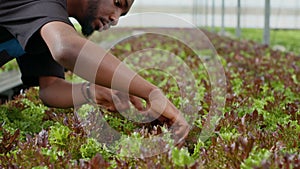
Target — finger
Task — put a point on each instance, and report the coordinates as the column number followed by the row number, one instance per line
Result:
column 122, row 96
column 103, row 95
column 109, row 101
column 137, row 103
column 181, row 132
column 165, row 120
column 119, row 104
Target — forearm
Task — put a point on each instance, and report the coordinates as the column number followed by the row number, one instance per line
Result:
column 92, row 62
column 56, row 92
column 115, row 74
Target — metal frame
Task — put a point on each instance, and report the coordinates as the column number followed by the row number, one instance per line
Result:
column 266, row 35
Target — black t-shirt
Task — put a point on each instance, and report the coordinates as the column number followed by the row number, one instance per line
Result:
column 23, row 20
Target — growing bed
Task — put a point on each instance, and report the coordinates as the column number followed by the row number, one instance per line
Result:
column 258, row 125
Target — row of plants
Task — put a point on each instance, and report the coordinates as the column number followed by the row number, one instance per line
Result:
column 258, row 127
column 283, row 39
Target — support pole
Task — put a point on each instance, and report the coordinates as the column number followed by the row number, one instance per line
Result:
column 195, row 11
column 213, row 16
column 206, row 13
column 223, row 18
column 238, row 26
column 267, row 22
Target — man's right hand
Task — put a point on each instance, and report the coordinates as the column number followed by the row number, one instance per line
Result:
column 159, row 107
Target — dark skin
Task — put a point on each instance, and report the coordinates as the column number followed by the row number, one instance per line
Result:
column 68, row 48
column 57, row 92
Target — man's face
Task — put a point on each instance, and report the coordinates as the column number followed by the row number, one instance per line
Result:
column 101, row 14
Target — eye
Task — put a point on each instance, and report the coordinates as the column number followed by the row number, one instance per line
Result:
column 118, row 3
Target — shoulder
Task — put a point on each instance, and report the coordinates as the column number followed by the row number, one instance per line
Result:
column 25, row 18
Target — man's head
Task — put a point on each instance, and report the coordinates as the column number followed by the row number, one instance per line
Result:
column 101, row 14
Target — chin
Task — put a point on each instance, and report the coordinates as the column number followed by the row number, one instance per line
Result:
column 87, row 32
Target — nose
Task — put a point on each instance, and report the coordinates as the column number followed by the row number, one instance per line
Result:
column 114, row 19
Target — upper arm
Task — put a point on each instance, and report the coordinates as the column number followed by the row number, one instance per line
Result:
column 63, row 42
column 56, row 35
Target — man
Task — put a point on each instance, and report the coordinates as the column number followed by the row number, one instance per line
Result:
column 43, row 29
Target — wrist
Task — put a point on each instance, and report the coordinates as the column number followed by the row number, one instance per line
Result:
column 87, row 93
